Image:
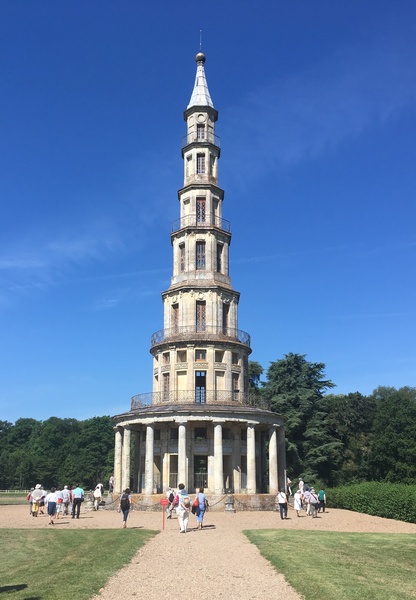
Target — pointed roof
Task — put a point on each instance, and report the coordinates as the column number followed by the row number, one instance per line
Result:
column 200, row 95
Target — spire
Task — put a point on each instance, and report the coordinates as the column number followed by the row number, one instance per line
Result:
column 200, row 95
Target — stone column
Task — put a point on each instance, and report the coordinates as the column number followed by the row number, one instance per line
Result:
column 218, row 460
column 251, row 459
column 136, row 472
column 125, row 477
column 164, row 445
column 273, row 486
column 165, row 472
column 149, row 461
column 182, row 454
column 236, row 463
column 281, row 457
column 118, row 447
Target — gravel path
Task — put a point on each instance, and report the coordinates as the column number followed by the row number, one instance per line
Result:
column 226, row 564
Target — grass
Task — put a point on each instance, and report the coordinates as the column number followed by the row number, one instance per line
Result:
column 13, row 499
column 63, row 564
column 342, row 566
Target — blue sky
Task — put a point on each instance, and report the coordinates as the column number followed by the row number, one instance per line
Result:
column 317, row 123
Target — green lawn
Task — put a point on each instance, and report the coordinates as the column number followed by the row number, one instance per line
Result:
column 52, row 564
column 342, row 566
column 13, row 499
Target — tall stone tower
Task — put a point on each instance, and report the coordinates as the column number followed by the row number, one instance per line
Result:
column 200, row 425
column 201, row 355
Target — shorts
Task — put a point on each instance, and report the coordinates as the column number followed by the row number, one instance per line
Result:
column 51, row 508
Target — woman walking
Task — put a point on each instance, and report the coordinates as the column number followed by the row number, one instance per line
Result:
column 124, row 505
column 201, row 507
column 183, row 506
column 51, row 500
column 297, row 501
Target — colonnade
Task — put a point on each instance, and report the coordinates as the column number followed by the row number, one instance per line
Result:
column 122, row 458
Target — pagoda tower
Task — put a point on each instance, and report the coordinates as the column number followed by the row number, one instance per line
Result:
column 200, row 355
column 200, row 425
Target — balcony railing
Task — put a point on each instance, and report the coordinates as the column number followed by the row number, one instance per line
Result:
column 203, row 138
column 204, row 332
column 209, row 221
column 199, row 397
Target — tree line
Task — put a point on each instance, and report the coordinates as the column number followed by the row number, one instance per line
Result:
column 337, row 439
column 56, row 452
column 331, row 439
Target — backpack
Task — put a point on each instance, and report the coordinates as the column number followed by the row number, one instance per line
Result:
column 124, row 502
column 171, row 497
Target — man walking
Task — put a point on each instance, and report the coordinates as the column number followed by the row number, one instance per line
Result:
column 282, row 501
column 78, row 497
column 66, row 497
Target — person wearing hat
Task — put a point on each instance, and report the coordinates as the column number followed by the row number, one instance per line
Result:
column 36, row 496
column 313, row 503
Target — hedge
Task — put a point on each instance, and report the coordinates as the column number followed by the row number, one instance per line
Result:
column 388, row 500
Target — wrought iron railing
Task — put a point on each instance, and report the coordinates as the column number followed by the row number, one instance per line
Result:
column 209, row 221
column 204, row 332
column 206, row 138
column 210, row 397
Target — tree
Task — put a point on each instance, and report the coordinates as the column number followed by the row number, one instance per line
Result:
column 96, row 443
column 295, row 387
column 393, row 446
column 343, row 424
column 255, row 371
column 55, row 452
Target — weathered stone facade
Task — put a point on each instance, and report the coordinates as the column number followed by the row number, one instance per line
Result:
column 200, row 425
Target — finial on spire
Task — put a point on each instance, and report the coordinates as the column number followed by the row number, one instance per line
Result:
column 200, row 40
column 200, row 95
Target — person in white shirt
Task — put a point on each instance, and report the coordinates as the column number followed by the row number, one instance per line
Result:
column 170, row 495
column 297, row 501
column 282, row 501
column 59, row 503
column 97, row 493
column 36, row 497
column 183, row 508
column 66, row 499
column 51, row 500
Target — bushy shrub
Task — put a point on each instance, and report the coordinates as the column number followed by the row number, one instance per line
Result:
column 388, row 500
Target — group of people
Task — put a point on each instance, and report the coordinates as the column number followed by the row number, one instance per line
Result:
column 305, row 498
column 183, row 505
column 63, row 501
column 56, row 502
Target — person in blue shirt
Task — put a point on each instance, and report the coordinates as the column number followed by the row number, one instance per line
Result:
column 202, row 507
column 77, row 498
